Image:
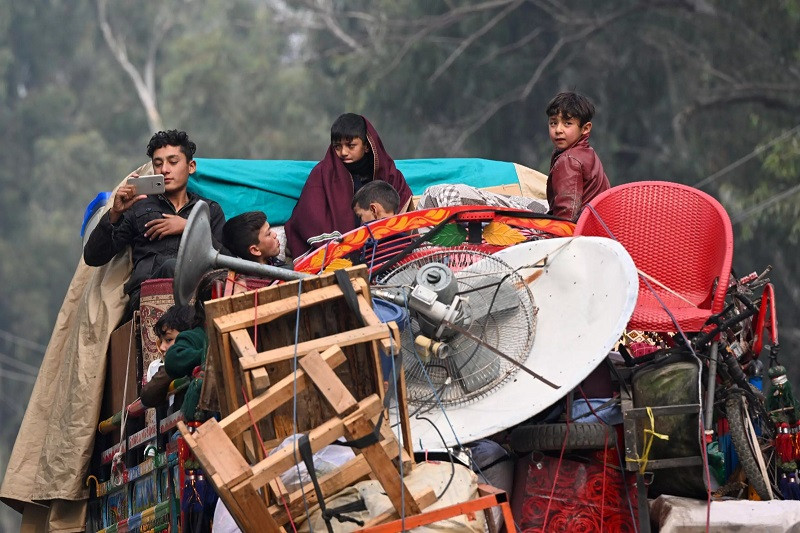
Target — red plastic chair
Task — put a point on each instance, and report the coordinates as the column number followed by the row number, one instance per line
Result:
column 679, row 237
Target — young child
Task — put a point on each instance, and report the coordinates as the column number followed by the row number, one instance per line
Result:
column 176, row 319
column 355, row 157
column 374, row 201
column 249, row 236
column 576, row 173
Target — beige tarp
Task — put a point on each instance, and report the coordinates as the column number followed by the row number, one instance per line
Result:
column 50, row 459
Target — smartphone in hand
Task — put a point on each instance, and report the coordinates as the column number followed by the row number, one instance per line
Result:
column 153, row 184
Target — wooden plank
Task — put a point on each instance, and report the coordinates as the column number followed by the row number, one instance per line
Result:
column 242, row 343
column 389, row 436
column 402, row 407
column 328, row 384
column 217, row 480
column 243, row 346
column 280, row 392
column 230, row 382
column 272, row 310
column 211, row 396
column 285, row 353
column 345, row 476
column 217, row 453
column 248, row 498
column 319, row 437
column 260, row 380
column 383, row 469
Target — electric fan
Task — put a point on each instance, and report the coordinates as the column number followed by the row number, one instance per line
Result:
column 471, row 324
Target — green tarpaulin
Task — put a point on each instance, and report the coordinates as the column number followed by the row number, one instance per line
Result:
column 241, row 185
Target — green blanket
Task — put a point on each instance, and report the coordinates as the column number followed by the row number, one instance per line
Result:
column 241, row 185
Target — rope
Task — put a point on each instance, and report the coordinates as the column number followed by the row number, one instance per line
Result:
column 294, row 395
column 558, row 467
column 117, row 465
column 686, row 343
column 649, row 436
column 671, row 291
column 603, row 496
column 399, row 445
column 264, row 450
column 619, row 454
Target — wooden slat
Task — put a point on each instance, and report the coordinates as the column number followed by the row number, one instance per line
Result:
column 402, row 405
column 230, row 382
column 256, row 509
column 285, row 353
column 280, row 392
column 217, row 453
column 244, row 348
column 272, row 310
column 318, row 437
column 328, row 384
column 345, row 476
column 383, row 469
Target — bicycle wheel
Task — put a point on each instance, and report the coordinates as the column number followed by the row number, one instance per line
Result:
column 751, row 434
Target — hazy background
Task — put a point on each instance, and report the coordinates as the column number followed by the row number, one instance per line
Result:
column 701, row 92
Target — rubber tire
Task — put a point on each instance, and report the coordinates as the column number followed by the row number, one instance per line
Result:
column 545, row 437
column 737, row 413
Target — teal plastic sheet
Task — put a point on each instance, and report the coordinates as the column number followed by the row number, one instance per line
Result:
column 273, row 186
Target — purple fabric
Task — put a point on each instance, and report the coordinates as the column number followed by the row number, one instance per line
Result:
column 324, row 203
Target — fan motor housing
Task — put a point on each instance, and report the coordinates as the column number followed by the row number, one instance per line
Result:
column 438, row 278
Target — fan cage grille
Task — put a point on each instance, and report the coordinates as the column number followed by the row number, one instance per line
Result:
column 504, row 317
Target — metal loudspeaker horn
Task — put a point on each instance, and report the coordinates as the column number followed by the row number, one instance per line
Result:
column 197, row 255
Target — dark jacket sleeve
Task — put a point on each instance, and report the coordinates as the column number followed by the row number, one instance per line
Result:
column 217, row 220
column 107, row 240
column 188, row 352
column 155, row 391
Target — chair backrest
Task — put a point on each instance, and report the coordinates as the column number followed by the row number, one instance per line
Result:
column 677, row 235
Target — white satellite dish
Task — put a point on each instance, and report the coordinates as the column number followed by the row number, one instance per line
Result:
column 585, row 294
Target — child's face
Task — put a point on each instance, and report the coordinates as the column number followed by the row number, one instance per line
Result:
column 268, row 244
column 350, row 150
column 565, row 131
column 166, row 340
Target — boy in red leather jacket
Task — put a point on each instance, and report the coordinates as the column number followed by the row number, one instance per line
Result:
column 576, row 173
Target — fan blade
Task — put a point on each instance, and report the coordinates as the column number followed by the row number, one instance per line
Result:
column 488, row 294
column 475, row 367
column 521, row 366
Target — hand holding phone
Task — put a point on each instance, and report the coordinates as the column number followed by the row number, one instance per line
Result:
column 153, row 184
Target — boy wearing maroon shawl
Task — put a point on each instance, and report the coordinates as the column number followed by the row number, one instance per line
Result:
column 355, row 157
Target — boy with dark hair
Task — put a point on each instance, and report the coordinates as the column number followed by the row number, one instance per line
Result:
column 152, row 225
column 249, row 236
column 176, row 319
column 576, row 173
column 374, row 201
column 356, row 156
